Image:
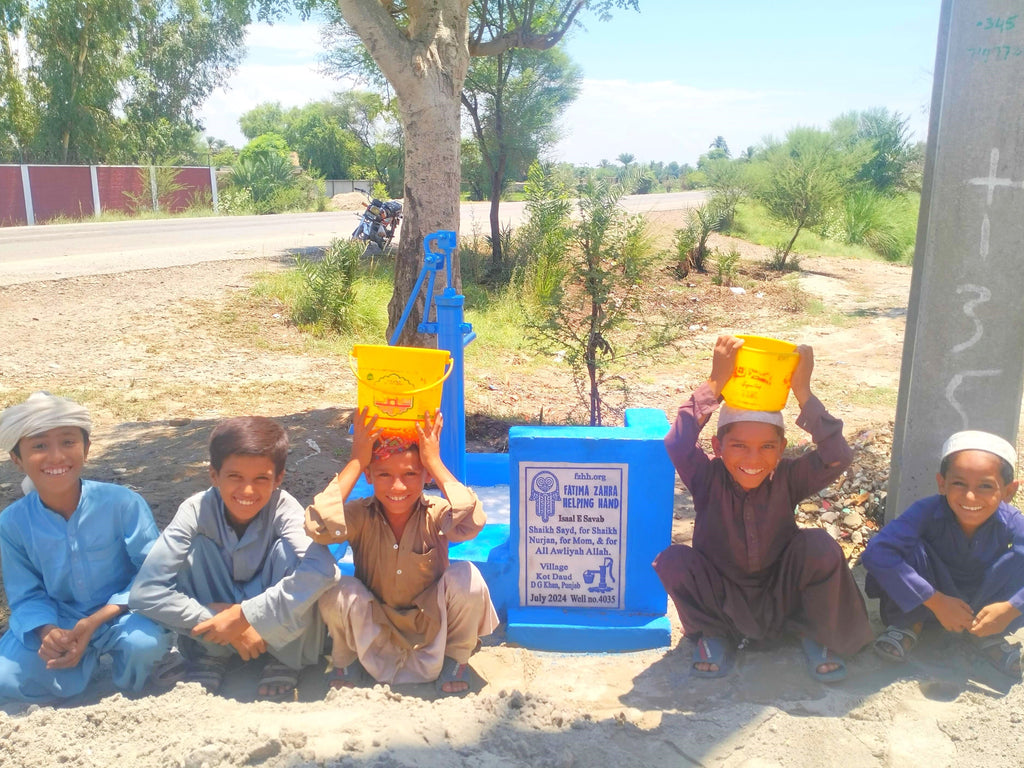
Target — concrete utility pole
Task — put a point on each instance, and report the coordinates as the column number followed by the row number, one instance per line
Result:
column 963, row 355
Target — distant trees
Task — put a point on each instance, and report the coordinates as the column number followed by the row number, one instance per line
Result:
column 513, row 101
column 801, row 179
column 424, row 51
column 112, row 80
column 336, row 138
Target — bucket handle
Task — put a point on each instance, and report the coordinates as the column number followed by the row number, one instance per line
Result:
column 449, row 367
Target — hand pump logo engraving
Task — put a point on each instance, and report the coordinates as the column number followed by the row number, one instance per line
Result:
column 544, row 493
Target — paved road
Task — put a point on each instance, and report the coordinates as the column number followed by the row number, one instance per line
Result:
column 50, row 252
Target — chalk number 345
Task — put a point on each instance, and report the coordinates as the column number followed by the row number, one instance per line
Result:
column 998, row 22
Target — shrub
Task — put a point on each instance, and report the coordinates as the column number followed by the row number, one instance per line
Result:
column 691, row 242
column 539, row 247
column 328, row 296
column 724, row 266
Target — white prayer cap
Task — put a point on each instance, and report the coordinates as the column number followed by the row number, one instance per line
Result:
column 975, row 440
column 729, row 415
column 40, row 413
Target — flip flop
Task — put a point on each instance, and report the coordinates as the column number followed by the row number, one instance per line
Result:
column 169, row 670
column 817, row 655
column 892, row 644
column 208, row 671
column 712, row 650
column 277, row 675
column 1001, row 654
column 452, row 672
column 352, row 676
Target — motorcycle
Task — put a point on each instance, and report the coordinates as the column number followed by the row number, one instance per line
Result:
column 377, row 224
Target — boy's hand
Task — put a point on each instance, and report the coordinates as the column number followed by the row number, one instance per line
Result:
column 364, row 435
column 993, row 619
column 250, row 644
column 429, row 433
column 723, row 362
column 953, row 613
column 801, row 381
column 229, row 627
column 60, row 648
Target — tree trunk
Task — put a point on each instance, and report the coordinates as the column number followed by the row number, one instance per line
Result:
column 426, row 63
column 789, row 246
column 497, row 258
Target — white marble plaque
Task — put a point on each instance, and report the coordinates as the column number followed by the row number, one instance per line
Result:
column 572, row 544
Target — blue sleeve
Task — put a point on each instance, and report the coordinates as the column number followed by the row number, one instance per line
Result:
column 1016, row 525
column 30, row 605
column 886, row 556
column 140, row 531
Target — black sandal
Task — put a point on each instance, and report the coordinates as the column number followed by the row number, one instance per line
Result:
column 892, row 644
column 452, row 672
column 1001, row 654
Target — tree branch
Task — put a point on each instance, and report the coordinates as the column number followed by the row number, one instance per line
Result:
column 522, row 36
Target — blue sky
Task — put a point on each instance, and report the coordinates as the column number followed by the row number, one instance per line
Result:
column 662, row 84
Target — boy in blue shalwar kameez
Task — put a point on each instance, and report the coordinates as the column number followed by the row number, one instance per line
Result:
column 70, row 550
column 956, row 558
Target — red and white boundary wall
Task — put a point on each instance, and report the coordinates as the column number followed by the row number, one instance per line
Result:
column 31, row 194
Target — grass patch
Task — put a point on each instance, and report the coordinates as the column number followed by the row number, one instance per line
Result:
column 872, row 397
column 368, row 316
column 752, row 223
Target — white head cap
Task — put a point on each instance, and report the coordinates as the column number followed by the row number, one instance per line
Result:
column 40, row 413
column 975, row 440
column 729, row 415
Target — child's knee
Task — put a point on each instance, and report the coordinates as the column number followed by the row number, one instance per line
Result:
column 818, row 547
column 143, row 637
column 346, row 592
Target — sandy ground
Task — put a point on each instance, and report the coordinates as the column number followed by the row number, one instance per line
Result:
column 161, row 355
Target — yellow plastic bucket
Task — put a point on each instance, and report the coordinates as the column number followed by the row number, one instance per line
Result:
column 764, row 369
column 399, row 384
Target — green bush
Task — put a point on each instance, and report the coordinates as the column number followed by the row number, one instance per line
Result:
column 264, row 175
column 538, row 249
column 326, row 301
column 724, row 265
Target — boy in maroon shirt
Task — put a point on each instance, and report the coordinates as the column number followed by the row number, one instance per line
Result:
column 751, row 572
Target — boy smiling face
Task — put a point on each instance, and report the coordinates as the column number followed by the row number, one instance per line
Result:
column 397, row 481
column 750, row 451
column 246, row 484
column 53, row 460
column 973, row 486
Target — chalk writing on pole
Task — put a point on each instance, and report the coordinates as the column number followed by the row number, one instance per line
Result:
column 984, row 294
column 954, row 385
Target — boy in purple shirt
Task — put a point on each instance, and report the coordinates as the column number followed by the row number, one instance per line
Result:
column 751, row 573
column 956, row 558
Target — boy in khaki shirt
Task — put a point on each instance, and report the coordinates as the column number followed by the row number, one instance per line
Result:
column 408, row 615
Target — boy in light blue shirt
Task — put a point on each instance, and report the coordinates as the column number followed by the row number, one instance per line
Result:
column 70, row 550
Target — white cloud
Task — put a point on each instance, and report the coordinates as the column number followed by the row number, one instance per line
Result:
column 281, row 66
column 302, row 39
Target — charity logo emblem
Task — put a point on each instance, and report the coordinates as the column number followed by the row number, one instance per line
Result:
column 544, row 494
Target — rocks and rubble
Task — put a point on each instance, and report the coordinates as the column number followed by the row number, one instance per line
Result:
column 852, row 509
